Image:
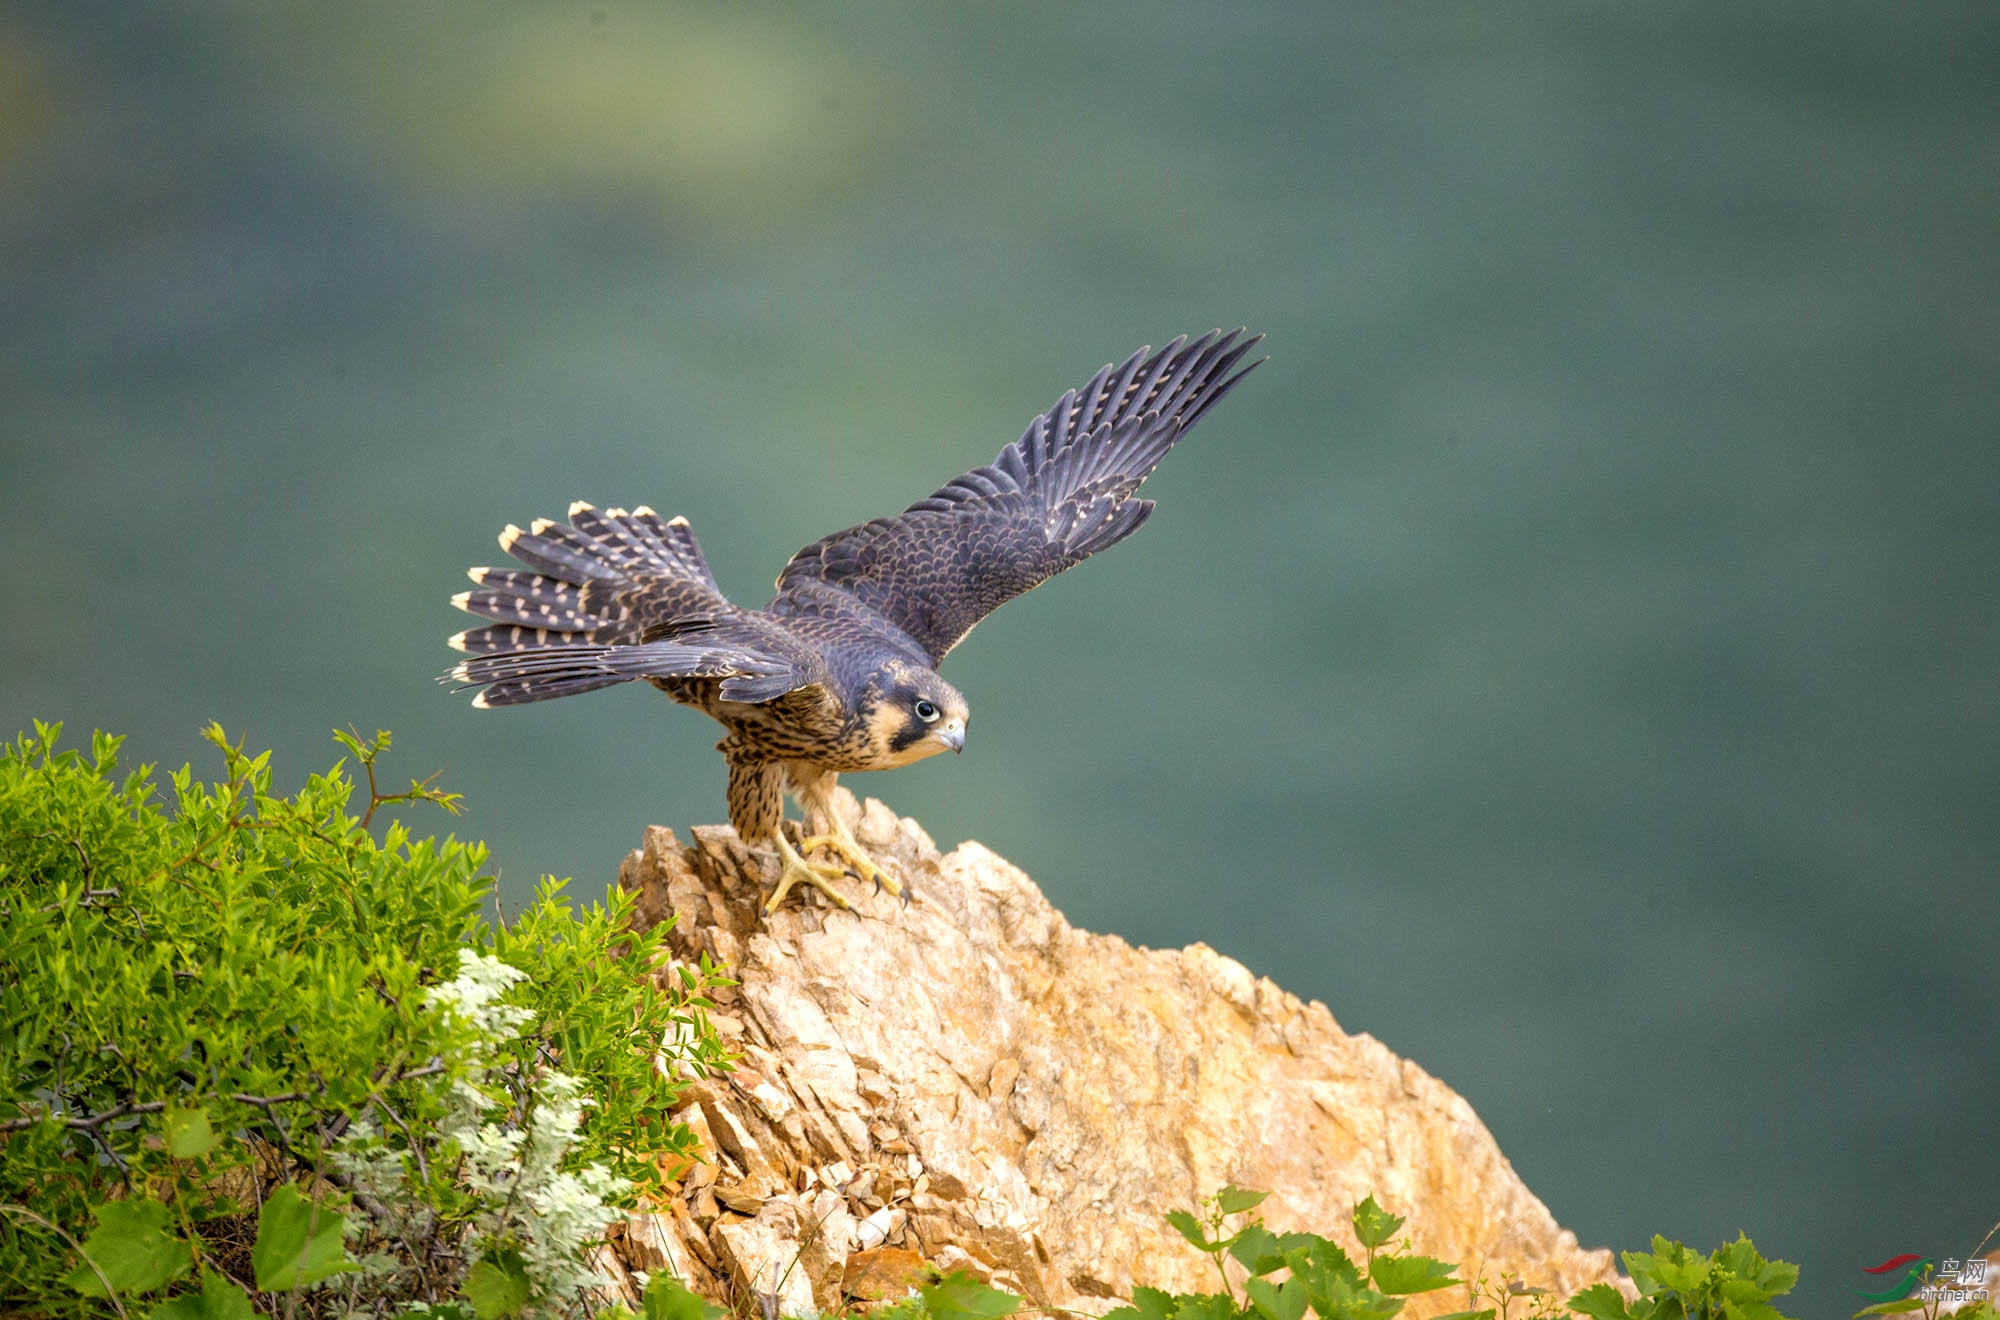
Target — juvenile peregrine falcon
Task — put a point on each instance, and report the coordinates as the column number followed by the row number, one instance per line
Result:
column 839, row 671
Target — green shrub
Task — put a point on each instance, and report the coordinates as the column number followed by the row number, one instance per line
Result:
column 247, row 1048
column 1318, row 1274
column 1287, row 1274
column 1678, row 1283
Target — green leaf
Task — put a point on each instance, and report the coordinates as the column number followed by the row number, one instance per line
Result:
column 1235, row 1200
column 1776, row 1277
column 1346, row 1302
column 219, row 1299
column 1325, row 1268
column 1286, row 1301
column 1600, row 1301
column 1147, row 1304
column 1260, row 1251
column 298, row 1242
column 1895, row 1308
column 1688, row 1277
column 188, row 1131
column 667, row 1298
column 1373, row 1225
column 1206, row 1306
column 1752, row 1311
column 1401, row 1275
column 960, row 1294
column 1190, row 1228
column 132, row 1249
column 497, row 1286
column 1256, row 1244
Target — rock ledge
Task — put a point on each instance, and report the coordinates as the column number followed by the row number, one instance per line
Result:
column 973, row 1082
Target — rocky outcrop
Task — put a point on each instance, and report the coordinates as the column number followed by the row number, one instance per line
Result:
column 971, row 1081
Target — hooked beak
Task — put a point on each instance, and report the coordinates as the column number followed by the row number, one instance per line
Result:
column 952, row 735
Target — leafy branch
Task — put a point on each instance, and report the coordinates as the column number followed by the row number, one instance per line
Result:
column 367, row 751
column 48, row 1114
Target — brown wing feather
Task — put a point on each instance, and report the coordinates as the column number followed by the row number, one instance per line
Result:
column 1059, row 494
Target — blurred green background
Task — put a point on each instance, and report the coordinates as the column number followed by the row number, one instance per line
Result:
column 1575, row 656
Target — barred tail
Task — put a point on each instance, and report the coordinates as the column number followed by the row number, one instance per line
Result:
column 595, row 589
column 512, row 678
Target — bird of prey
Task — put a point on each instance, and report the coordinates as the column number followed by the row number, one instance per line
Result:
column 839, row 671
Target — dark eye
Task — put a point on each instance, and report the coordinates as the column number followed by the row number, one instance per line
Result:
column 927, row 711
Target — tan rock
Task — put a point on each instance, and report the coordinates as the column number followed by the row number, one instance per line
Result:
column 993, row 1088
column 762, row 1258
column 881, row 1274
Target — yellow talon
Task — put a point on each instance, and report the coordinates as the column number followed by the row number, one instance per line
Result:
column 797, row 869
column 838, row 840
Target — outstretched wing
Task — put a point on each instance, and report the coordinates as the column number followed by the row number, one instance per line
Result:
column 1059, row 494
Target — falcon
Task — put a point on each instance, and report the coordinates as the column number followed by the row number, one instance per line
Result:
column 839, row 672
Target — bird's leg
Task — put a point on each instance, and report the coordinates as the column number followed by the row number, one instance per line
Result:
column 757, row 810
column 815, row 795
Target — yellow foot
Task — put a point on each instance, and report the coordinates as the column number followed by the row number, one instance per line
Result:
column 797, row 870
column 839, row 841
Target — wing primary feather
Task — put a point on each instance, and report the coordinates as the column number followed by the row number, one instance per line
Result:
column 1155, row 367
column 1090, row 399
column 1183, row 366
column 1223, row 364
column 1116, row 392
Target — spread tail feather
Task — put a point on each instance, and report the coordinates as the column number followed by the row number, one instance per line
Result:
column 597, row 595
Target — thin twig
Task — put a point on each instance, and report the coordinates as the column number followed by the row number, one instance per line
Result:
column 264, row 1102
column 416, row 1147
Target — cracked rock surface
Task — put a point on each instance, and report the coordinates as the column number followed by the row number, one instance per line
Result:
column 970, row 1081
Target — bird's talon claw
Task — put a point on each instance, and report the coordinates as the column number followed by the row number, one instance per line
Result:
column 858, row 863
column 795, row 869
